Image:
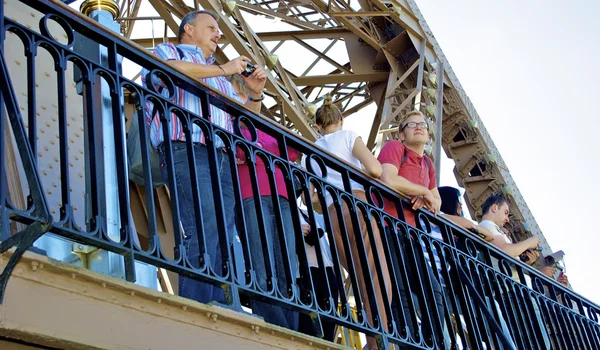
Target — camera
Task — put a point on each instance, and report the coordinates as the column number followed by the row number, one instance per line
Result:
column 250, row 68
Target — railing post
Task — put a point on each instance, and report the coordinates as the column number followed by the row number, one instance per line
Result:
column 105, row 13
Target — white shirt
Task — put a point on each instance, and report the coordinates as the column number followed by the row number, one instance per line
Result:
column 493, row 228
column 339, row 143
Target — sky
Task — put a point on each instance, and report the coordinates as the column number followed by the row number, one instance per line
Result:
column 529, row 67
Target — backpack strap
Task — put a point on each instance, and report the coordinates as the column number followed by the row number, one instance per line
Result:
column 404, row 159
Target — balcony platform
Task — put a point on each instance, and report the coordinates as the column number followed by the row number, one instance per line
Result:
column 60, row 306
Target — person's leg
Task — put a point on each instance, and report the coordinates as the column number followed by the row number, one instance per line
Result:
column 290, row 237
column 271, row 313
column 353, row 242
column 329, row 327
column 189, row 287
column 408, row 315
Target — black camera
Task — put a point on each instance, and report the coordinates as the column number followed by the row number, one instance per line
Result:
column 524, row 258
column 250, row 68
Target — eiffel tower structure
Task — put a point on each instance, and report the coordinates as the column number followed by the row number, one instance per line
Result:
column 376, row 58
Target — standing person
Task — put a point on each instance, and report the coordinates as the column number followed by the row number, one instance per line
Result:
column 198, row 36
column 409, row 171
column 350, row 147
column 271, row 313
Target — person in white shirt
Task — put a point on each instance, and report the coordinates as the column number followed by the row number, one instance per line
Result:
column 350, row 147
column 495, row 215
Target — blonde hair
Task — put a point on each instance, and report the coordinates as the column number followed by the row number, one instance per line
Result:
column 328, row 113
column 239, row 85
column 410, row 114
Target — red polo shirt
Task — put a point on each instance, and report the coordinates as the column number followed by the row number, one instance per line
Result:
column 415, row 169
column 268, row 143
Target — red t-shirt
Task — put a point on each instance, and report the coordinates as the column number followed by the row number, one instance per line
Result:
column 268, row 143
column 414, row 169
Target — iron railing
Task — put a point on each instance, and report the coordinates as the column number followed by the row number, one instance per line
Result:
column 483, row 306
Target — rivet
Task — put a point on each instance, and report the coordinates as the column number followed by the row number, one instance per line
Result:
column 34, row 265
column 159, row 301
column 73, row 275
column 184, row 307
column 103, row 284
column 214, row 317
column 132, row 293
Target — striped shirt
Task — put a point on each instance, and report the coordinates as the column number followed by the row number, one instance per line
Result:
column 185, row 99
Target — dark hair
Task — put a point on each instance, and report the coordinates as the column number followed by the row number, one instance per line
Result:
column 191, row 17
column 450, row 198
column 493, row 199
column 328, row 113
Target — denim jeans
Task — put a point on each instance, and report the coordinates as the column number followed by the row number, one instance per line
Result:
column 271, row 313
column 189, row 287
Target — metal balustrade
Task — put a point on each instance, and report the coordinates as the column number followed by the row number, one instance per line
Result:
column 483, row 307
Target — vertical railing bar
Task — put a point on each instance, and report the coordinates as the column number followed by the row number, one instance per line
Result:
column 63, row 139
column 139, row 112
column 272, row 284
column 270, row 168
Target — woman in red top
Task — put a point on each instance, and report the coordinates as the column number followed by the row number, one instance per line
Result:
column 271, row 313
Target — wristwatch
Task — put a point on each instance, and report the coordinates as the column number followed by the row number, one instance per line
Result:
column 262, row 97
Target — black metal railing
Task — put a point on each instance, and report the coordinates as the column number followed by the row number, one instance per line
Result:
column 477, row 306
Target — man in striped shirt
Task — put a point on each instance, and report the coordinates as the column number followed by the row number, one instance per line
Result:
column 198, row 36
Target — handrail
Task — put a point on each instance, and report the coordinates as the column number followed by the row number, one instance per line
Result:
column 553, row 314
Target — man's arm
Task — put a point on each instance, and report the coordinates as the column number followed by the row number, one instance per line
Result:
column 466, row 223
column 391, row 178
column 199, row 71
column 514, row 249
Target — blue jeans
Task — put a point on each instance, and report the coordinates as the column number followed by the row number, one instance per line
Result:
column 271, row 313
column 189, row 287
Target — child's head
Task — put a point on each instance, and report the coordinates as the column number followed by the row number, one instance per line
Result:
column 328, row 114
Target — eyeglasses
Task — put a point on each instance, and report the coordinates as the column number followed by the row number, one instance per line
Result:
column 412, row 125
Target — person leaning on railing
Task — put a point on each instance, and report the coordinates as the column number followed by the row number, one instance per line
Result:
column 409, row 171
column 350, row 147
column 495, row 215
column 198, row 35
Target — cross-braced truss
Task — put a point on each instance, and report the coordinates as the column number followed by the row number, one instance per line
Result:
column 365, row 53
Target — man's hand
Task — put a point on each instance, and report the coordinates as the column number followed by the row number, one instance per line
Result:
column 305, row 229
column 562, row 279
column 235, row 66
column 418, row 202
column 532, row 256
column 256, row 82
column 532, row 242
column 433, row 204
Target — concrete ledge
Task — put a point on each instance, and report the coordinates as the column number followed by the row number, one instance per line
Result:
column 58, row 305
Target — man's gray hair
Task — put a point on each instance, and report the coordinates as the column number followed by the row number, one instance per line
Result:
column 191, row 17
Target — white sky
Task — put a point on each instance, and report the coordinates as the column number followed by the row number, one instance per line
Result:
column 530, row 69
